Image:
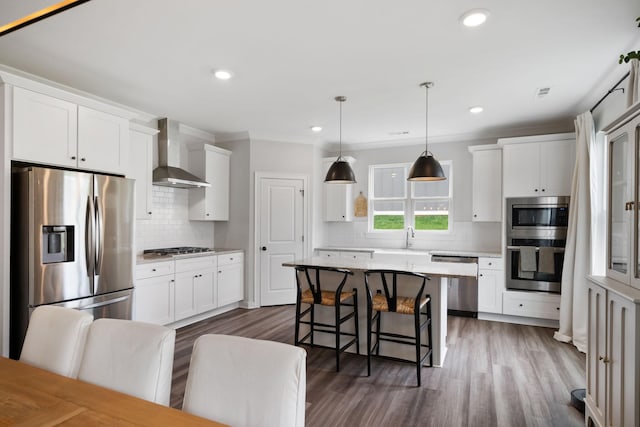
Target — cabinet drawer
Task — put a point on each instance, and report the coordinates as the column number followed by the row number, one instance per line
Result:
column 355, row 255
column 234, row 258
column 329, row 254
column 491, row 263
column 543, row 306
column 154, row 269
column 196, row 263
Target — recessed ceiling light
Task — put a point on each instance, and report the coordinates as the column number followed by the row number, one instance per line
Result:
column 222, row 74
column 476, row 110
column 316, row 128
column 474, row 17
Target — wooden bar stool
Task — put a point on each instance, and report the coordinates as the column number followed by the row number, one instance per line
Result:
column 310, row 292
column 388, row 300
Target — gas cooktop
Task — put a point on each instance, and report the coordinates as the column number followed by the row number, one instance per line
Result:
column 177, row 250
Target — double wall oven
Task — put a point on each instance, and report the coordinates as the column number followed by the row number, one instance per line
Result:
column 536, row 238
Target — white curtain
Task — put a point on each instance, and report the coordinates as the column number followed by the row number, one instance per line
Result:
column 633, row 88
column 577, row 256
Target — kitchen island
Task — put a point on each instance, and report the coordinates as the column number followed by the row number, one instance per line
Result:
column 439, row 272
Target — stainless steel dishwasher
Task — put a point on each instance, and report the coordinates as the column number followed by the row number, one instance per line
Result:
column 462, row 293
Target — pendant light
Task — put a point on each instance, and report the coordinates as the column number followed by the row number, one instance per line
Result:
column 426, row 167
column 340, row 171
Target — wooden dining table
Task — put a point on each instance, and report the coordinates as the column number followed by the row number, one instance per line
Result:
column 30, row 396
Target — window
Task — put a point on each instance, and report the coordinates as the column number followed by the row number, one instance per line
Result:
column 397, row 203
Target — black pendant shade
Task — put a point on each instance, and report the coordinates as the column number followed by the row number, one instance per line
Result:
column 340, row 171
column 426, row 167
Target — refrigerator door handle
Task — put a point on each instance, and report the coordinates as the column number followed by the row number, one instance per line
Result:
column 88, row 237
column 99, row 237
column 103, row 303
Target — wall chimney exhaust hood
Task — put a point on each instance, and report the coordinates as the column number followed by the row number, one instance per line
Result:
column 168, row 173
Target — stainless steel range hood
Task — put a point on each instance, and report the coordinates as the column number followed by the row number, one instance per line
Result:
column 168, row 173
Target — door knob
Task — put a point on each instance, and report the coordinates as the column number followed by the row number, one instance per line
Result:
column 264, row 248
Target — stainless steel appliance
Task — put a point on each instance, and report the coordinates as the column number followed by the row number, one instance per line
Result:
column 536, row 237
column 462, row 292
column 168, row 173
column 177, row 250
column 71, row 244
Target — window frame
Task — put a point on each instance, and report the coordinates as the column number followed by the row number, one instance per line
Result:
column 408, row 201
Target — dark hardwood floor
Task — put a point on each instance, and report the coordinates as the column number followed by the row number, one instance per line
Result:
column 495, row 374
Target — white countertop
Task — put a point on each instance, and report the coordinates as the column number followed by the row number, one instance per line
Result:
column 143, row 259
column 413, row 251
column 441, row 269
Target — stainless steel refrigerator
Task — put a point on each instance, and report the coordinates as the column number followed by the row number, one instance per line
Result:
column 71, row 244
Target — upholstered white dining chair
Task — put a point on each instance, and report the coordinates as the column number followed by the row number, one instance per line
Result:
column 135, row 358
column 55, row 339
column 246, row 382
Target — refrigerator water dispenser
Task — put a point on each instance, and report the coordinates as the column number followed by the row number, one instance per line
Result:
column 57, row 243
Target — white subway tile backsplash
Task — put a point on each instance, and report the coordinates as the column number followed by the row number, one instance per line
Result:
column 170, row 225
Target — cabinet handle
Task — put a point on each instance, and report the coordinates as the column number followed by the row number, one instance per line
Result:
column 153, row 269
column 73, row 157
column 535, row 189
column 558, row 308
column 481, row 275
column 520, row 305
column 543, row 189
column 219, row 271
column 172, row 280
column 207, row 214
column 475, row 216
column 83, row 159
column 149, row 212
column 490, row 263
column 264, row 248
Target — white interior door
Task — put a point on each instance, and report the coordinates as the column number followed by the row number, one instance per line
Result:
column 281, row 237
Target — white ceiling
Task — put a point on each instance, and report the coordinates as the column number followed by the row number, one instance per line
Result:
column 290, row 58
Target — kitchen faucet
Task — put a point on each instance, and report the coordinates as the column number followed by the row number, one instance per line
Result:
column 411, row 233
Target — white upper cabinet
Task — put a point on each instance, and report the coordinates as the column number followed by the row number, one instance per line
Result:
column 58, row 132
column 538, row 166
column 44, row 129
column 487, row 183
column 338, row 198
column 141, row 167
column 103, row 141
column 210, row 203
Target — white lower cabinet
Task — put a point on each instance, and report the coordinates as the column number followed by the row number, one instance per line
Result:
column 194, row 276
column 204, row 289
column 230, row 278
column 184, row 295
column 613, row 363
column 539, row 305
column 490, row 285
column 173, row 290
column 153, row 293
